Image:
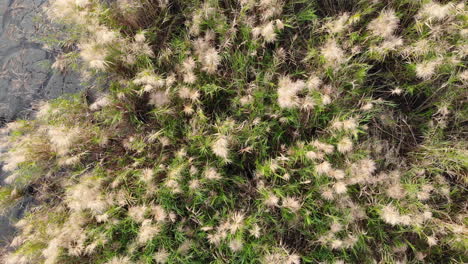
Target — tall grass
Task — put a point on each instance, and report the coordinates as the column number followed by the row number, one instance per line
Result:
column 249, row 132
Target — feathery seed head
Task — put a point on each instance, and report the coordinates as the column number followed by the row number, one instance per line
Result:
column 385, row 24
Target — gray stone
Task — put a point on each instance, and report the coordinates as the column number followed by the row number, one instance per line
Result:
column 25, row 72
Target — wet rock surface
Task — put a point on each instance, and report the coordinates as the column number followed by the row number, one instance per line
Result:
column 25, row 76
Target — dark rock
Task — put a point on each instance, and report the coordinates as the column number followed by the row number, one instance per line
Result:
column 25, row 67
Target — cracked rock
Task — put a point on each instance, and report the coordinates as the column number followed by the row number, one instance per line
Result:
column 25, row 66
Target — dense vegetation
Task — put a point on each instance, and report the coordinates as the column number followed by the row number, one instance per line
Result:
column 243, row 131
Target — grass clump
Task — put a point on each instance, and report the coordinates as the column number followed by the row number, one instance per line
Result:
column 250, row 132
